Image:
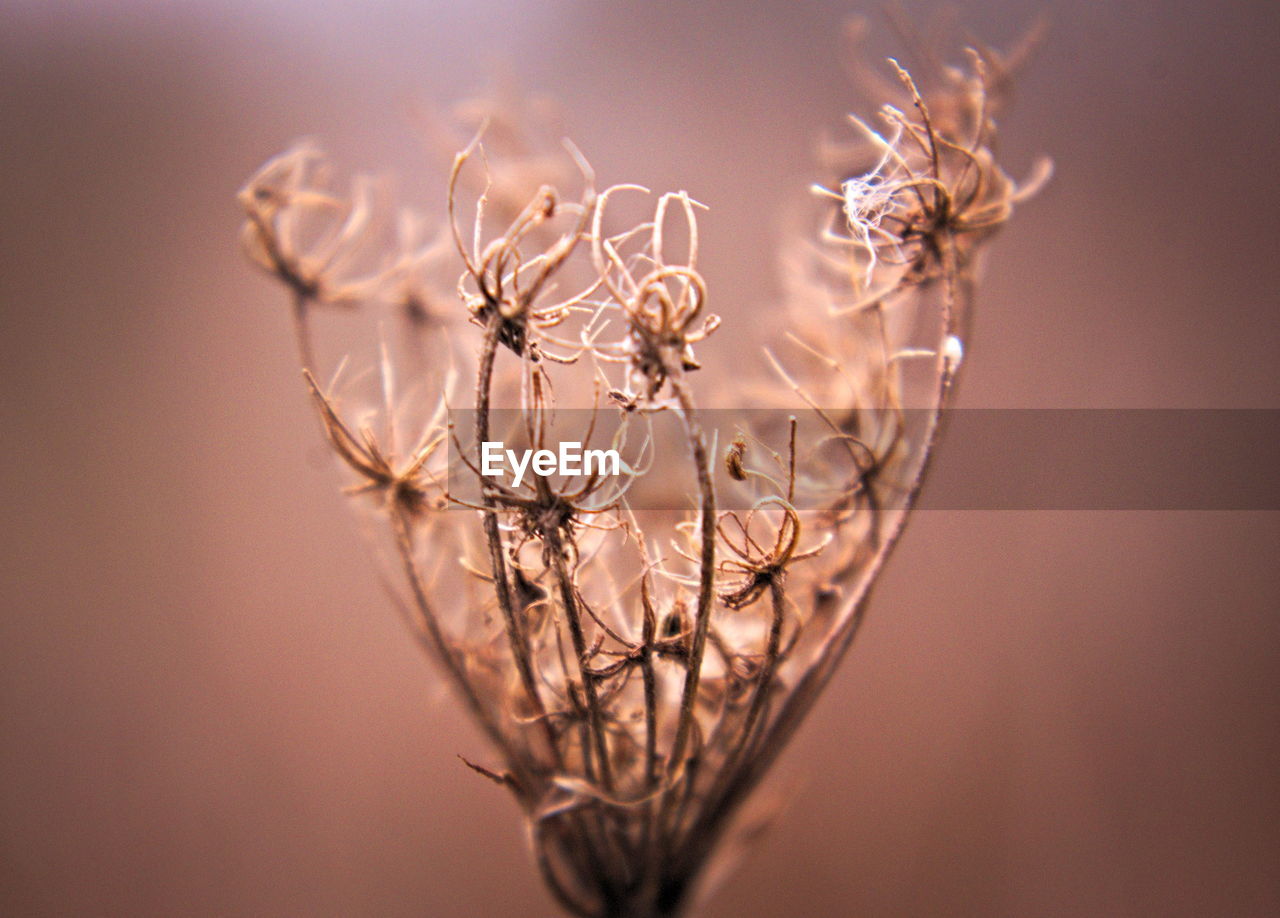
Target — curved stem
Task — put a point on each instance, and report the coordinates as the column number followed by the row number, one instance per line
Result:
column 706, row 572
column 439, row 645
column 501, row 585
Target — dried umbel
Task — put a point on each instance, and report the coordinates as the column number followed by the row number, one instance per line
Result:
column 639, row 661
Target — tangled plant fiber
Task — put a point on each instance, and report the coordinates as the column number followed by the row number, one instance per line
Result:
column 638, row 668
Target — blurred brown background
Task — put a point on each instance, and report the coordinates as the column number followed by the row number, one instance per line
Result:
column 208, row 708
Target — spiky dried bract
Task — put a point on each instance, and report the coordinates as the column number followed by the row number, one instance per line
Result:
column 638, row 670
column 302, row 232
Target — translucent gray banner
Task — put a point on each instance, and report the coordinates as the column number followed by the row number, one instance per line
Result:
column 988, row 459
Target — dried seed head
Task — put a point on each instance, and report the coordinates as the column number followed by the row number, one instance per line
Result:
column 638, row 670
column 733, row 458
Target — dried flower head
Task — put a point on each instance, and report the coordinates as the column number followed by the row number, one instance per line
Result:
column 638, row 666
column 302, row 233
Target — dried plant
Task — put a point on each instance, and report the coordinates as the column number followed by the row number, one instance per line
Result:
column 638, row 664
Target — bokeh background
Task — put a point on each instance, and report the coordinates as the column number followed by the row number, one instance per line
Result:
column 208, row 707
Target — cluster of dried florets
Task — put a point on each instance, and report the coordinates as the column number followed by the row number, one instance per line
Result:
column 638, row 665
